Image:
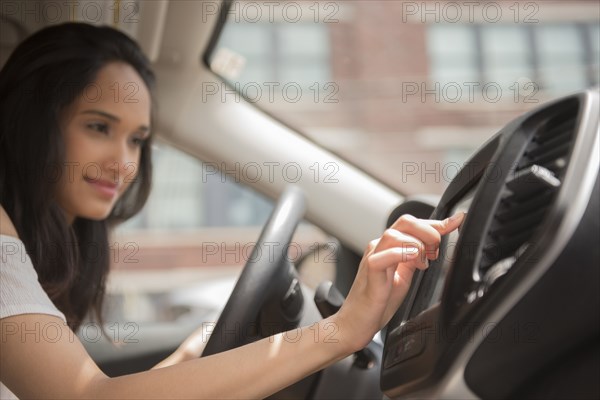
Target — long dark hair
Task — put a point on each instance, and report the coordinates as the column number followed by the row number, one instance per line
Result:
column 45, row 74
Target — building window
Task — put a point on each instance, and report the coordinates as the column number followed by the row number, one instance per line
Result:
column 279, row 52
column 559, row 58
column 452, row 54
column 188, row 194
column 506, row 54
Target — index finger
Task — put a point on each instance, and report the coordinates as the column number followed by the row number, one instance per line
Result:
column 446, row 225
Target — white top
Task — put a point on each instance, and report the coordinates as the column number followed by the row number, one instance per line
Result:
column 20, row 290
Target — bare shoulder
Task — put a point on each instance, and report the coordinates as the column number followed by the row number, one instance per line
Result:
column 6, row 225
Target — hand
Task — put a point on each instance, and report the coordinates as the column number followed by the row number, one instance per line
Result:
column 385, row 274
column 191, row 348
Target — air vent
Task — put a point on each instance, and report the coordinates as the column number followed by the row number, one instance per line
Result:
column 550, row 146
column 527, row 196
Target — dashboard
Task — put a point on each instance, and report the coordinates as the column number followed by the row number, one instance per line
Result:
column 511, row 306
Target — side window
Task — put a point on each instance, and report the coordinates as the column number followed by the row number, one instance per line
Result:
column 194, row 231
column 188, row 194
column 178, row 259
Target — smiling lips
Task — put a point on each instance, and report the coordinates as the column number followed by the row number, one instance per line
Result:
column 107, row 189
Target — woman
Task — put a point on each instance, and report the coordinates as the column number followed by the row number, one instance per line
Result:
column 75, row 132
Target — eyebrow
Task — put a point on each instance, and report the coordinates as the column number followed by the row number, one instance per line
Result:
column 142, row 128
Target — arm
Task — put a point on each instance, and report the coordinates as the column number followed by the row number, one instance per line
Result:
column 6, row 225
column 42, row 349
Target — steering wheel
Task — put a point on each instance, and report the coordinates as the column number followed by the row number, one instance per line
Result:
column 266, row 298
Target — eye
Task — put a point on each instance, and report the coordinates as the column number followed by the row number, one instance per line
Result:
column 99, row 127
column 138, row 140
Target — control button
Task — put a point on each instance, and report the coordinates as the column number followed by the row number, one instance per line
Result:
column 409, row 346
column 390, row 357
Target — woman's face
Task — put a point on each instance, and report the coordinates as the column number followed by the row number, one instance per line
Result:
column 103, row 131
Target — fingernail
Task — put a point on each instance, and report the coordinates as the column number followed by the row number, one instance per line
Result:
column 456, row 216
column 411, row 252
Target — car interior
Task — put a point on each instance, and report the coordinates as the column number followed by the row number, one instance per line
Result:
column 303, row 129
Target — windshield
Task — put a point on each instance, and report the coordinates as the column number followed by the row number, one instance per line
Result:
column 404, row 90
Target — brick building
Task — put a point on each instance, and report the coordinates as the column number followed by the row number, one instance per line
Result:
column 399, row 85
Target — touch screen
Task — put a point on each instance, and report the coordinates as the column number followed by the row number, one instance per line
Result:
column 432, row 284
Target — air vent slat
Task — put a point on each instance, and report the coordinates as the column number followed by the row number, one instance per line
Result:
column 550, row 156
column 512, row 209
column 493, row 254
column 524, row 163
column 547, row 146
column 518, row 225
column 551, row 130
